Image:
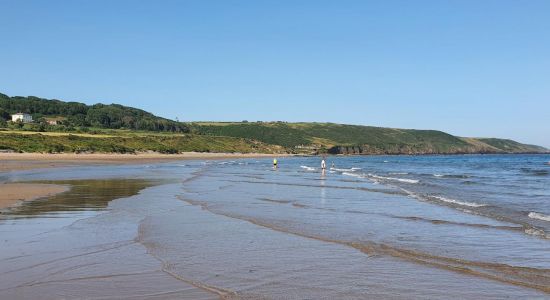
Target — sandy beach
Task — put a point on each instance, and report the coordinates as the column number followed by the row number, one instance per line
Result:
column 26, row 161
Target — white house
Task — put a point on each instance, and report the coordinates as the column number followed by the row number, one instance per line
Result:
column 25, row 118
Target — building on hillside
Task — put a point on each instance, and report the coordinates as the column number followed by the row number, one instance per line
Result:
column 21, row 117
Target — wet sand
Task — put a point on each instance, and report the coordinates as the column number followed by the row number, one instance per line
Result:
column 72, row 246
column 26, row 161
column 14, row 193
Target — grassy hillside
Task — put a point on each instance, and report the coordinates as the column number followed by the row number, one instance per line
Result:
column 511, row 146
column 354, row 139
column 128, row 143
column 271, row 133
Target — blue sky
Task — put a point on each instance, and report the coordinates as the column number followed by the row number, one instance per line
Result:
column 470, row 68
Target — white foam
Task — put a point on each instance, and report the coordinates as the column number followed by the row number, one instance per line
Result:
column 398, row 173
column 439, row 175
column 355, row 168
column 352, row 174
column 386, row 161
column 537, row 232
column 308, row 168
column 344, row 170
column 539, row 216
column 395, row 179
column 470, row 204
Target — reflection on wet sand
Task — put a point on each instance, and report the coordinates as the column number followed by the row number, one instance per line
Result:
column 12, row 194
column 93, row 194
column 89, row 255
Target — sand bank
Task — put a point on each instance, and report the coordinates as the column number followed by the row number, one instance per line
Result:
column 26, row 161
column 14, row 193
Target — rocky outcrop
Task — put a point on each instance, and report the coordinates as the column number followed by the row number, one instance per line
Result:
column 412, row 149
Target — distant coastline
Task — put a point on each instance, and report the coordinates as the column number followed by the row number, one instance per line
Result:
column 38, row 125
column 25, row 161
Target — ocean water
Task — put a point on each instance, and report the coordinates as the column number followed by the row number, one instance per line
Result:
column 396, row 227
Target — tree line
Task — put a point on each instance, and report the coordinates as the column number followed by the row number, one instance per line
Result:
column 75, row 114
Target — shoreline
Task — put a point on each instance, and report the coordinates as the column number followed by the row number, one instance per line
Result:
column 26, row 161
column 14, row 194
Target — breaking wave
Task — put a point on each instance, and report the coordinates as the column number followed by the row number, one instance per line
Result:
column 539, row 216
column 451, row 175
column 353, row 174
column 464, row 203
column 308, row 168
column 345, row 170
column 406, row 180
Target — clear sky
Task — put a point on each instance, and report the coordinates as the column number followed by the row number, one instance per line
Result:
column 470, row 68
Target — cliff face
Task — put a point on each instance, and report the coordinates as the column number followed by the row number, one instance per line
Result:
column 357, row 139
column 401, row 149
column 472, row 146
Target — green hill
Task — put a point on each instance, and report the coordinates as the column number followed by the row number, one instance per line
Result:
column 356, row 139
column 511, row 146
column 75, row 114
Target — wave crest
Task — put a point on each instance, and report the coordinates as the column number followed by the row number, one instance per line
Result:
column 464, row 203
column 539, row 216
column 406, row 180
column 308, row 168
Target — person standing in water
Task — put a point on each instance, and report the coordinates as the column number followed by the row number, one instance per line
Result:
column 323, row 164
column 275, row 163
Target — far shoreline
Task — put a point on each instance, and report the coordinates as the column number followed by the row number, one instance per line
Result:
column 14, row 193
column 12, row 161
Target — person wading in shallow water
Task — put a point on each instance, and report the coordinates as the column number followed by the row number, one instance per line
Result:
column 274, row 163
column 323, row 164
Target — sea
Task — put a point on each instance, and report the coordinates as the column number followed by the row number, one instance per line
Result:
column 367, row 227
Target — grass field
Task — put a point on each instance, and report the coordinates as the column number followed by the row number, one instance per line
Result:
column 121, row 142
